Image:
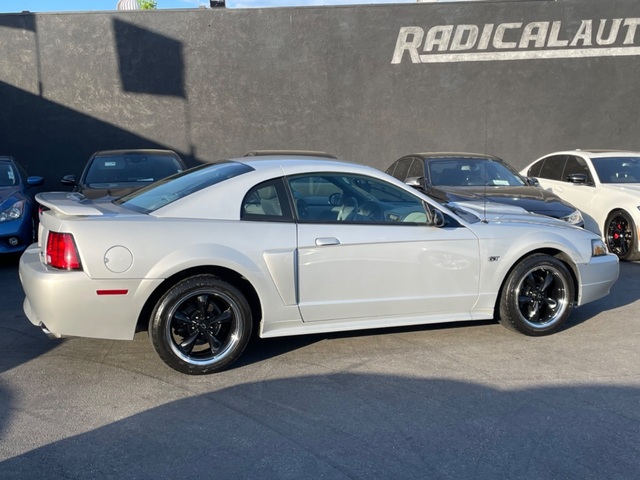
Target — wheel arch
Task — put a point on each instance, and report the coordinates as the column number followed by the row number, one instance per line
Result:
column 223, row 273
column 552, row 252
column 608, row 214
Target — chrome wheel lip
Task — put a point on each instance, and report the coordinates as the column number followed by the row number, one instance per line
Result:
column 560, row 289
column 233, row 337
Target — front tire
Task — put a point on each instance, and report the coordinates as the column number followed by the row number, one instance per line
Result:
column 621, row 236
column 200, row 325
column 537, row 296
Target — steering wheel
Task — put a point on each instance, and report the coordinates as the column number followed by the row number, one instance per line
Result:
column 348, row 210
column 371, row 211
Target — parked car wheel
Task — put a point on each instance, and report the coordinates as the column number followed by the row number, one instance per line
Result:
column 621, row 237
column 537, row 297
column 200, row 325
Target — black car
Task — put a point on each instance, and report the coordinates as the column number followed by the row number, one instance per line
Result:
column 17, row 212
column 456, row 177
column 114, row 173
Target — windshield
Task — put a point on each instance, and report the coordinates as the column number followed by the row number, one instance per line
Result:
column 471, row 172
column 130, row 170
column 164, row 192
column 8, row 175
column 617, row 169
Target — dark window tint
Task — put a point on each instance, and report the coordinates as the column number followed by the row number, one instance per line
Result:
column 472, row 172
column 402, row 169
column 553, row 167
column 576, row 165
column 534, row 170
column 617, row 169
column 129, row 170
column 416, row 169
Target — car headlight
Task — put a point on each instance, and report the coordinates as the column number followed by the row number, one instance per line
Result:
column 597, row 248
column 14, row 212
column 574, row 218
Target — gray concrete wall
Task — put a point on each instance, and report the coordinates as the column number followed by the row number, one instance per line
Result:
column 368, row 83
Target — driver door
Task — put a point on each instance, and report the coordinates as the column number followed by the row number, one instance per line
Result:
column 378, row 257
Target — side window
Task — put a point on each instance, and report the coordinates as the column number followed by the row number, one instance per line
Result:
column 416, row 169
column 402, row 168
column 576, row 165
column 345, row 198
column 553, row 167
column 266, row 202
column 534, row 170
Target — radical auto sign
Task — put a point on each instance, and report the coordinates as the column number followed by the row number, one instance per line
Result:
column 517, row 41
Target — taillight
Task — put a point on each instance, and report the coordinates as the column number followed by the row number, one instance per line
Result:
column 62, row 252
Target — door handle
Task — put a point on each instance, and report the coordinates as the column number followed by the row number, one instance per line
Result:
column 324, row 241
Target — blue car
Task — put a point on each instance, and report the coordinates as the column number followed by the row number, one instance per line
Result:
column 17, row 214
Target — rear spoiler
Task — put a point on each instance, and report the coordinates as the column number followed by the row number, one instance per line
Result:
column 72, row 204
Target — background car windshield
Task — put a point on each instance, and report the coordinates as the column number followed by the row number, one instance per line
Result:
column 8, row 176
column 466, row 172
column 617, row 169
column 159, row 194
column 128, row 170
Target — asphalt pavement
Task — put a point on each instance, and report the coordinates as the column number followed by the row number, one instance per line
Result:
column 472, row 400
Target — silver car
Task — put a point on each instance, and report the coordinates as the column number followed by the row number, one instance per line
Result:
column 289, row 245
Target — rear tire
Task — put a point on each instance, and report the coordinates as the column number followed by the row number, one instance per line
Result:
column 201, row 325
column 537, row 297
column 621, row 235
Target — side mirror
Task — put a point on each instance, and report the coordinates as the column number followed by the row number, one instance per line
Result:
column 580, row 178
column 533, row 182
column 69, row 180
column 35, row 181
column 415, row 182
column 437, row 219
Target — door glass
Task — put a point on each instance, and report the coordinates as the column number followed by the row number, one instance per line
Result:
column 343, row 198
column 416, row 169
column 553, row 167
column 576, row 165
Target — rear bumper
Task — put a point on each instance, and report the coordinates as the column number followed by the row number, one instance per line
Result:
column 67, row 303
column 597, row 277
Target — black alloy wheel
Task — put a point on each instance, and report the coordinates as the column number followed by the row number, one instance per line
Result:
column 538, row 296
column 621, row 236
column 201, row 325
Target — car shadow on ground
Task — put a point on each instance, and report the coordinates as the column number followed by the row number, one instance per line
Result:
column 625, row 291
column 359, row 426
column 20, row 341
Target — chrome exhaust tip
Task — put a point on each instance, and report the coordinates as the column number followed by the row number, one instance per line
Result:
column 48, row 332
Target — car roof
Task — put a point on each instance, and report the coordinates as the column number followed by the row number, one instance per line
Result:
column 138, row 151
column 427, row 155
column 293, row 153
column 276, row 165
column 596, row 152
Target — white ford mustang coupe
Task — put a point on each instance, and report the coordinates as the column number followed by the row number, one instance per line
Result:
column 289, row 245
